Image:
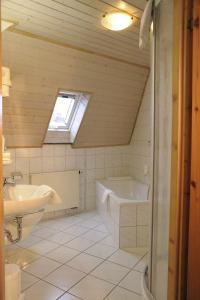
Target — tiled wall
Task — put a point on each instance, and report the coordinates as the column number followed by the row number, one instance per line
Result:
column 94, row 163
column 140, row 153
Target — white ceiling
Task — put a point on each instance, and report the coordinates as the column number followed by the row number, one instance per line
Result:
column 77, row 24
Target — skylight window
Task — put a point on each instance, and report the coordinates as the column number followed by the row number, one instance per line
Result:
column 64, row 111
column 66, row 117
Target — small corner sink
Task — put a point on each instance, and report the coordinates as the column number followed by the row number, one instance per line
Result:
column 21, row 199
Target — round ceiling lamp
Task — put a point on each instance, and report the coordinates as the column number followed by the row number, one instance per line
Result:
column 117, row 21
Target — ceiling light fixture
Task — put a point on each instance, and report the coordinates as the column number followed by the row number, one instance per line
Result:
column 117, row 21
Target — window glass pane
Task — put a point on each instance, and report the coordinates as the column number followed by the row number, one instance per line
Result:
column 62, row 113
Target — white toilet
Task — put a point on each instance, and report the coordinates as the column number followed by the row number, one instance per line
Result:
column 146, row 295
column 13, row 282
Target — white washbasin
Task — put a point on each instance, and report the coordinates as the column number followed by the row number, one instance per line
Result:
column 23, row 199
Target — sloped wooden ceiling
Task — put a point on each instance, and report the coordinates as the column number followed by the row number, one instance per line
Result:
column 61, row 44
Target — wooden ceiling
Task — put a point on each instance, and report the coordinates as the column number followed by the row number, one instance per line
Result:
column 61, row 44
column 77, row 23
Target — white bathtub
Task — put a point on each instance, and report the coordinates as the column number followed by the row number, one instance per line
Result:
column 123, row 204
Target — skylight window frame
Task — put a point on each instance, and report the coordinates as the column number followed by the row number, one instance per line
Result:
column 72, row 113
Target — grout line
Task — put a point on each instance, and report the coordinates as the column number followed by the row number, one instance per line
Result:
column 66, row 293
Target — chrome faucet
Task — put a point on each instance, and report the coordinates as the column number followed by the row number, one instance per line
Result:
column 8, row 181
column 12, row 179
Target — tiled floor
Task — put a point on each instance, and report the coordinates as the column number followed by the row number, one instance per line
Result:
column 73, row 258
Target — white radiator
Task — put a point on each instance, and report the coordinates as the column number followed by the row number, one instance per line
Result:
column 66, row 184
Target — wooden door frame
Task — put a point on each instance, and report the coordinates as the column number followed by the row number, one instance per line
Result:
column 181, row 158
column 2, row 271
column 193, row 283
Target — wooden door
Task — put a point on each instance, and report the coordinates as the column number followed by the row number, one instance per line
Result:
column 194, row 215
column 2, row 275
column 181, row 156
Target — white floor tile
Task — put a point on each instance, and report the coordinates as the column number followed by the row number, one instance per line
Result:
column 94, row 235
column 62, row 254
column 29, row 241
column 80, row 244
column 70, row 221
column 68, row 296
column 108, row 241
column 122, row 294
column 101, row 228
column 124, row 258
column 38, row 226
column 43, row 247
column 84, row 262
column 61, row 238
column 132, row 282
column 41, row 267
column 101, row 250
column 76, row 230
column 91, row 288
column 44, row 232
column 88, row 215
column 89, row 223
column 59, row 225
column 27, row 280
column 65, row 277
column 97, row 218
column 110, row 272
column 46, row 223
column 42, row 291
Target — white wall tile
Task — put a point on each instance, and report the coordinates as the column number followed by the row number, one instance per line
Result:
column 48, row 150
column 47, row 164
column 90, row 162
column 35, row 152
column 99, row 161
column 140, row 149
column 99, row 173
column 71, row 162
column 59, row 163
column 79, row 151
column 59, row 150
column 128, row 237
column 128, row 215
column 81, row 161
column 23, row 152
column 143, row 214
column 142, row 236
column 35, row 165
column 22, row 165
column 90, row 175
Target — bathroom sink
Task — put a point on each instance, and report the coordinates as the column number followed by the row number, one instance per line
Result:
column 20, row 199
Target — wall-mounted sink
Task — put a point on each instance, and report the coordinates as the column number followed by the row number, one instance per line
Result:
column 27, row 202
column 24, row 199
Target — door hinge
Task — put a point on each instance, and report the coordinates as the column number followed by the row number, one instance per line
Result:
column 192, row 23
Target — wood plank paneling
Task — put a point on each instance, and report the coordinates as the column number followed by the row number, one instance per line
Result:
column 39, row 69
column 78, row 23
